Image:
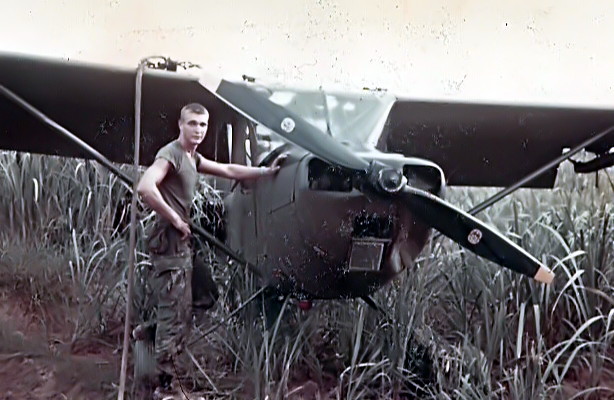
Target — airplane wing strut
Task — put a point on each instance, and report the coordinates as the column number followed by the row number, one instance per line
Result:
column 120, row 174
column 528, row 178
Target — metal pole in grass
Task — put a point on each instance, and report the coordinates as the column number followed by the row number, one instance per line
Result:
column 133, row 212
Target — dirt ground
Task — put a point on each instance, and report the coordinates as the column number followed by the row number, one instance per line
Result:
column 38, row 359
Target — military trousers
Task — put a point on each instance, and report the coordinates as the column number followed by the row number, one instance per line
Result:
column 172, row 292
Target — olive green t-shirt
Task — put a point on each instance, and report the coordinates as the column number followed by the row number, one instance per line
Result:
column 179, row 184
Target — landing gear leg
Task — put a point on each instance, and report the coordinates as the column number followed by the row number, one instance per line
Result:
column 144, row 359
column 272, row 306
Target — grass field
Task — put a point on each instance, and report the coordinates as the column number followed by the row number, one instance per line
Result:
column 457, row 327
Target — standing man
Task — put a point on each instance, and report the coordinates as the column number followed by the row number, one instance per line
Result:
column 168, row 187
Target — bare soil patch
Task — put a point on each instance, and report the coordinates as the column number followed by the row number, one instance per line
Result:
column 38, row 359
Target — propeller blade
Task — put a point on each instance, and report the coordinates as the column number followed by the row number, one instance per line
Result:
column 473, row 234
column 287, row 124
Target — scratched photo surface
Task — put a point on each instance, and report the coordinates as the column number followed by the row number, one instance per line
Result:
column 396, row 121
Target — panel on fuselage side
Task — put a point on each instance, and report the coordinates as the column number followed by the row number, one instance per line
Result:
column 276, row 214
column 241, row 222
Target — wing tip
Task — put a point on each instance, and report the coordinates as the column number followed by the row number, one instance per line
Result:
column 544, row 275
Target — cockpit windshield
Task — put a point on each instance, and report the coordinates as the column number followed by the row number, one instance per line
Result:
column 347, row 117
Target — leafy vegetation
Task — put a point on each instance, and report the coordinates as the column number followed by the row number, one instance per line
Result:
column 456, row 326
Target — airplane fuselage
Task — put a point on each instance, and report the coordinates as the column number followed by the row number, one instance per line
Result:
column 315, row 235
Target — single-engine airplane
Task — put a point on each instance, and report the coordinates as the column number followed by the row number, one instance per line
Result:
column 355, row 200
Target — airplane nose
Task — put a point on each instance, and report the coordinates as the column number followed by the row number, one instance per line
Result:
column 391, row 180
column 417, row 173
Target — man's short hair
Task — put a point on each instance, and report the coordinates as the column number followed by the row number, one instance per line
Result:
column 195, row 108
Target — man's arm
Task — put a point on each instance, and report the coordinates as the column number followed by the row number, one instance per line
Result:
column 236, row 171
column 148, row 189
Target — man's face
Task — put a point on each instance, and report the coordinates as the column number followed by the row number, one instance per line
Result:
column 193, row 127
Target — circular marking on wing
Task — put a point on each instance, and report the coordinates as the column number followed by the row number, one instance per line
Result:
column 474, row 236
column 288, row 124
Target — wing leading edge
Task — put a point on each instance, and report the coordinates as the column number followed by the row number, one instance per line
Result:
column 488, row 144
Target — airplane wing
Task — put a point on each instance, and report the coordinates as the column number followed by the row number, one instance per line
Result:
column 488, row 144
column 96, row 103
column 475, row 144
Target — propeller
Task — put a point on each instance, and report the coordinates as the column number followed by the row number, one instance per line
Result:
column 473, row 234
column 452, row 222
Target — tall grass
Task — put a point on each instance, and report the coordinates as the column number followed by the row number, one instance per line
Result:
column 63, row 236
column 456, row 326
